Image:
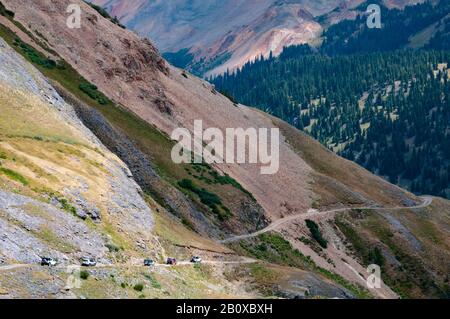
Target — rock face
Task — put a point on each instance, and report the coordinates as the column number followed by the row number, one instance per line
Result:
column 233, row 31
column 209, row 37
column 50, row 156
column 31, row 229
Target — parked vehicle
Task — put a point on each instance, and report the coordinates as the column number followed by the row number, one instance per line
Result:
column 88, row 262
column 48, row 261
column 149, row 263
column 196, row 259
column 171, row 261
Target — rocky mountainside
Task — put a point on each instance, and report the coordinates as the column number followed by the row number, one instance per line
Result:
column 207, row 34
column 209, row 37
column 131, row 99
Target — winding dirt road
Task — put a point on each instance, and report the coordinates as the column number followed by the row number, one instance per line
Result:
column 427, row 200
column 383, row 293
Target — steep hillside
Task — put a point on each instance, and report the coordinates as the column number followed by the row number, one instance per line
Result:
column 209, row 37
column 139, row 100
column 64, row 195
column 392, row 118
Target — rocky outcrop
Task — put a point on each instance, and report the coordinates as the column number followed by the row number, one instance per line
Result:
column 223, row 35
column 32, row 229
column 84, row 180
column 233, row 32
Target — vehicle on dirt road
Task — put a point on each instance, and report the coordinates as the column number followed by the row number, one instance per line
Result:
column 48, row 261
column 196, row 259
column 171, row 261
column 149, row 263
column 88, row 262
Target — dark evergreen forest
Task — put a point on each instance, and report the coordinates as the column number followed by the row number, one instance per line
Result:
column 370, row 99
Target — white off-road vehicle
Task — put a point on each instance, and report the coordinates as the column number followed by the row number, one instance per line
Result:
column 196, row 259
column 48, row 261
column 88, row 262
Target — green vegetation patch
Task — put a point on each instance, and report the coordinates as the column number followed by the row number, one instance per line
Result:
column 139, row 287
column 411, row 274
column 65, row 205
column 369, row 255
column 92, row 91
column 275, row 249
column 5, row 12
column 209, row 199
column 14, row 176
column 84, row 274
column 262, row 274
column 34, row 56
column 153, row 281
column 316, row 233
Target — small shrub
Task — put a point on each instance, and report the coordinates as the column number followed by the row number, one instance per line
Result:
column 38, row 138
column 5, row 12
column 139, row 287
column 84, row 275
column 316, row 234
column 92, row 91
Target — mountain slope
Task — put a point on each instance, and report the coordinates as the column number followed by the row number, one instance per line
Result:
column 64, row 195
column 402, row 27
column 163, row 98
column 366, row 115
column 205, row 35
column 54, row 174
column 210, row 37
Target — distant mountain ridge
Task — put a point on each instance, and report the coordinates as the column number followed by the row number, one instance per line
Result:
column 209, row 37
column 206, row 34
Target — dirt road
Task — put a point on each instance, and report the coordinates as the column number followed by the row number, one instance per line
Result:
column 314, row 213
